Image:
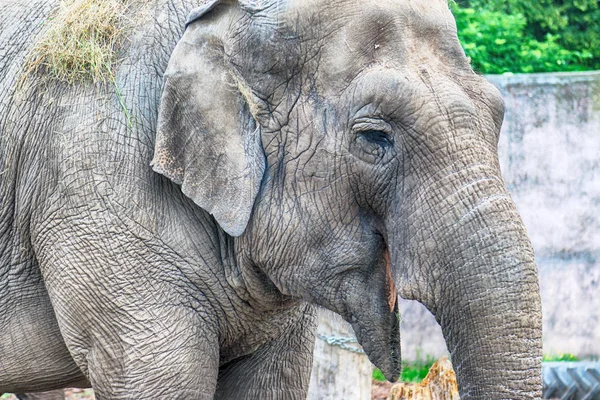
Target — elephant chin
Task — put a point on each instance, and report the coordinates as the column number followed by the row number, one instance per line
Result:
column 380, row 341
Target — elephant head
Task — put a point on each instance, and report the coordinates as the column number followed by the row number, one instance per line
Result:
column 350, row 152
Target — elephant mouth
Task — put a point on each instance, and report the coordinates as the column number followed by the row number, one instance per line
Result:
column 376, row 321
column 382, row 346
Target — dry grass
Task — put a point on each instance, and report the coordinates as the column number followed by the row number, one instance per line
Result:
column 81, row 42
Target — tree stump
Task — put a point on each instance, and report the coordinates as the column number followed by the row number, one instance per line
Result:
column 439, row 384
column 338, row 372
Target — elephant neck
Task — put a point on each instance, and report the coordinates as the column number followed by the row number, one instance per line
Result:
column 250, row 283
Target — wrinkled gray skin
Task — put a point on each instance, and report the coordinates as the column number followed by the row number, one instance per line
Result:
column 341, row 147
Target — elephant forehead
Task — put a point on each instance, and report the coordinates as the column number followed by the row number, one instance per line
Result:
column 391, row 33
column 368, row 20
column 341, row 36
column 342, row 6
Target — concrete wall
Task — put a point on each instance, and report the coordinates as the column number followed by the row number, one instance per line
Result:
column 550, row 156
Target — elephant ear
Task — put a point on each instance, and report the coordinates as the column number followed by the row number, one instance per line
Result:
column 207, row 139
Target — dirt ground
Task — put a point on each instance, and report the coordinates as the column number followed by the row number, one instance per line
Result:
column 380, row 390
column 79, row 394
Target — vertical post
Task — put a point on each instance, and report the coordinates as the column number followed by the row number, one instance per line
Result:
column 338, row 371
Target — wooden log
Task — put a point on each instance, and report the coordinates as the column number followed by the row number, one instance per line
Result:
column 338, row 373
column 439, row 384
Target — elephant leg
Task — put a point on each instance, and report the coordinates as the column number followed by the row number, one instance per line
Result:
column 145, row 352
column 137, row 355
column 130, row 322
column 279, row 370
column 160, row 371
column 33, row 355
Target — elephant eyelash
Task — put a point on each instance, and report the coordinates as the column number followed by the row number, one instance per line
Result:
column 372, row 140
column 378, row 137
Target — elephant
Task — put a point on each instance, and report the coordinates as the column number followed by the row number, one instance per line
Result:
column 260, row 159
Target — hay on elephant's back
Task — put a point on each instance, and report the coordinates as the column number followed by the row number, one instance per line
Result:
column 81, row 41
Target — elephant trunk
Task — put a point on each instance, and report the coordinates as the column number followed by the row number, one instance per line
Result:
column 481, row 284
column 492, row 318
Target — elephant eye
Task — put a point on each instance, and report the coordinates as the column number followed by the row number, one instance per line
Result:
column 379, row 138
column 373, row 146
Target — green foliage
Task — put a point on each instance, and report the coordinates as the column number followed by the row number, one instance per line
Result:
column 414, row 371
column 560, row 357
column 529, row 36
column 378, row 375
